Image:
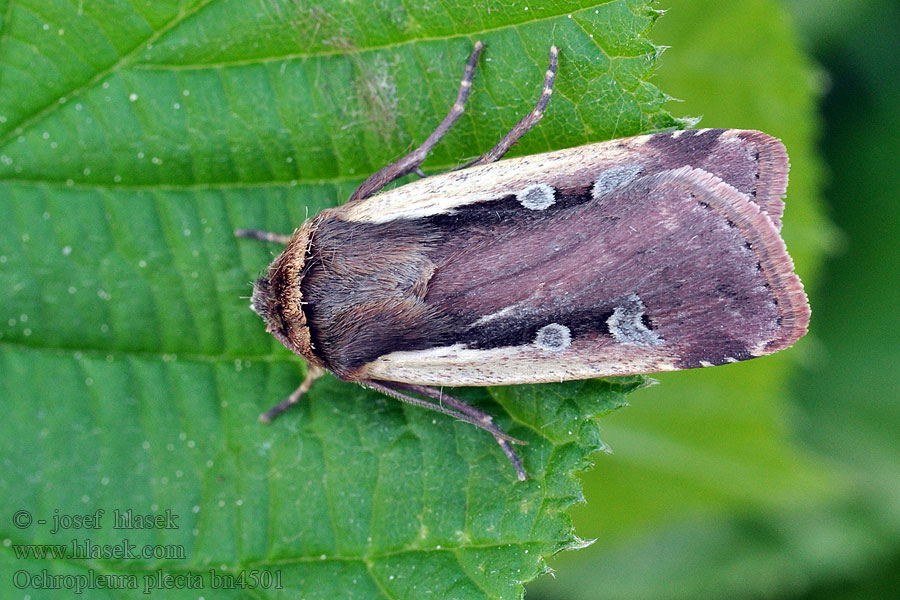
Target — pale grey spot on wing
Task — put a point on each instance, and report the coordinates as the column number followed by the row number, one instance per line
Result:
column 537, row 197
column 553, row 337
column 626, row 324
column 616, row 177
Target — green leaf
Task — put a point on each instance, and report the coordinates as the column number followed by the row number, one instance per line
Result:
column 133, row 141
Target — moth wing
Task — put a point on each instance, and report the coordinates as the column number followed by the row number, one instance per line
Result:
column 675, row 270
column 752, row 162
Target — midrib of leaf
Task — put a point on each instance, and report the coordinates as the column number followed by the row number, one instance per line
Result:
column 155, row 66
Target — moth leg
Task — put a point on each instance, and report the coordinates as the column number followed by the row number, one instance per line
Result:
column 475, row 416
column 411, row 161
column 312, row 373
column 263, row 236
column 484, row 421
column 530, row 120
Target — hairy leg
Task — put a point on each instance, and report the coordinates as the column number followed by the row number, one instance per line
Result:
column 458, row 408
column 414, row 159
column 312, row 373
column 529, row 121
column 263, row 236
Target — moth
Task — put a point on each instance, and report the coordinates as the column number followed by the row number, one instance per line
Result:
column 652, row 253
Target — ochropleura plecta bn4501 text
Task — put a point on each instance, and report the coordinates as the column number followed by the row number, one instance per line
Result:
column 651, row 253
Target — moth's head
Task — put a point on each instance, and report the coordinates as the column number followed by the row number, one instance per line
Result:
column 277, row 297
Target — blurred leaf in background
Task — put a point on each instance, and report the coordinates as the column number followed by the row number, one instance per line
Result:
column 848, row 400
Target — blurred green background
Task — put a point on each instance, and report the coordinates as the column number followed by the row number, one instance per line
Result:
column 813, row 511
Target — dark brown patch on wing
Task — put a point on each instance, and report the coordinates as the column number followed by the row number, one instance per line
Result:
column 684, row 147
column 752, row 162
